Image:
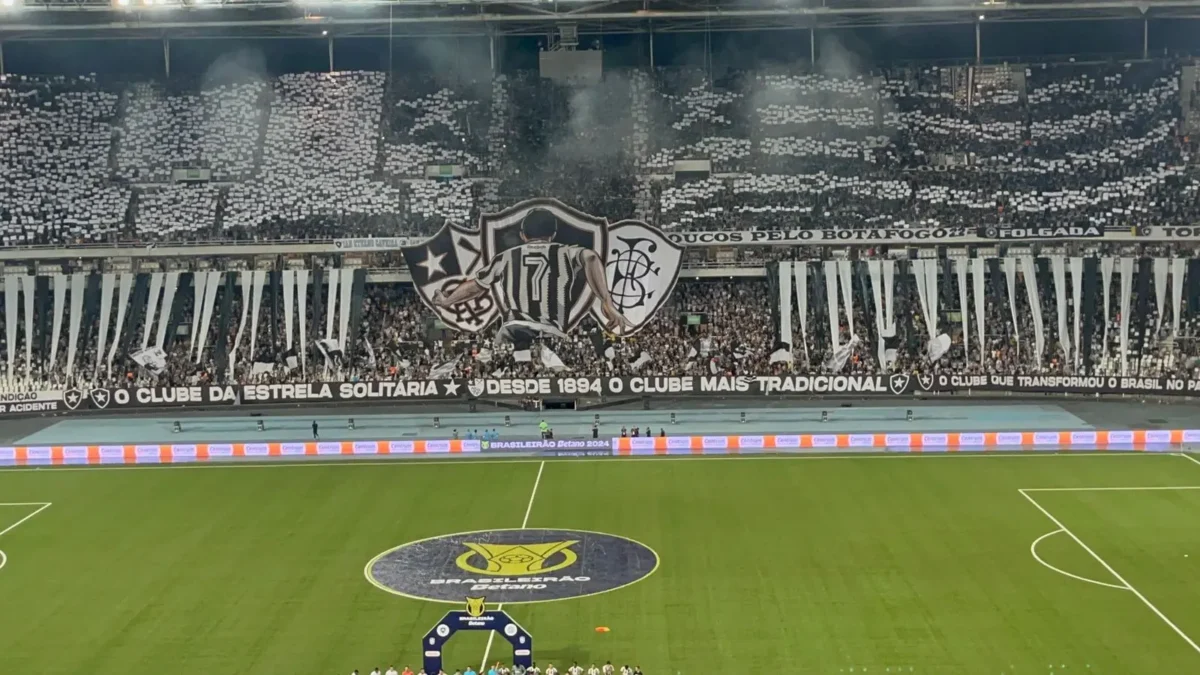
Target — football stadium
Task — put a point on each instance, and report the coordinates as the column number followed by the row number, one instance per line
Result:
column 559, row 337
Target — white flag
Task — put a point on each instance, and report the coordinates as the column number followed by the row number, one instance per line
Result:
column 443, row 371
column 841, row 355
column 371, row 362
column 329, row 348
column 938, row 347
column 153, row 359
column 551, row 360
column 642, row 360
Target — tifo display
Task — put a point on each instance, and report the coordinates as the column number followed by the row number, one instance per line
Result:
column 1069, row 251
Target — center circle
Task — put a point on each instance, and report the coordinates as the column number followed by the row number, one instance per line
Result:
column 512, row 566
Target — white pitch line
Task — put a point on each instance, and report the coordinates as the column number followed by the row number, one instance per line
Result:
column 1114, row 573
column 97, row 468
column 1189, row 457
column 24, row 503
column 1113, row 489
column 3, row 560
column 10, row 528
column 1033, row 550
column 524, row 524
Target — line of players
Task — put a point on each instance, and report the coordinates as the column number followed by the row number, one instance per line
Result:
column 500, row 669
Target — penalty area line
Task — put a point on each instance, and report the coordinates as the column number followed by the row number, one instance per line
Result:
column 524, row 524
column 1033, row 550
column 1113, row 489
column 1188, row 457
column 42, row 507
column 1116, row 575
column 10, row 528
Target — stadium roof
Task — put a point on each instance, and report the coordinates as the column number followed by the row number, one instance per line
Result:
column 116, row 19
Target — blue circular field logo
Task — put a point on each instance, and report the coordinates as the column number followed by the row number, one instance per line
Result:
column 512, row 566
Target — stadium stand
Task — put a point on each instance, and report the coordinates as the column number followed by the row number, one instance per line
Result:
column 333, row 155
column 339, row 154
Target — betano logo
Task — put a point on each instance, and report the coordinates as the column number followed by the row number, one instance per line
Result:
column 512, row 566
column 519, row 559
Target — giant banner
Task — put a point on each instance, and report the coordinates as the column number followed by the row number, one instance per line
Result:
column 865, row 386
column 540, row 266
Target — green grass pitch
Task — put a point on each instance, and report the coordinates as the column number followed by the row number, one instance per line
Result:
column 767, row 565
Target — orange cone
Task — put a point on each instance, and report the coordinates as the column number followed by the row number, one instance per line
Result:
column 602, row 629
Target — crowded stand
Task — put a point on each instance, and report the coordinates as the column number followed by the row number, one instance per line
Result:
column 173, row 212
column 319, row 154
column 54, row 158
column 427, row 123
column 217, row 127
column 323, row 155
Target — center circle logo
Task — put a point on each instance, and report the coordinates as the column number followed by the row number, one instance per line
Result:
column 512, row 566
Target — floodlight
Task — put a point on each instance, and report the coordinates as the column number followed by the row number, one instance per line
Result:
column 8, row 3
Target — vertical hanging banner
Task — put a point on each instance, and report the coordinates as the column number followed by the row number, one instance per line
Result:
column 960, row 270
column 1034, row 297
column 28, row 287
column 1058, row 271
column 124, row 289
column 287, row 279
column 156, row 286
column 785, row 306
column 11, row 305
column 977, row 278
column 1178, row 271
column 170, row 285
column 1126, row 271
column 1077, row 305
column 79, row 283
column 800, row 276
column 199, row 288
column 60, row 302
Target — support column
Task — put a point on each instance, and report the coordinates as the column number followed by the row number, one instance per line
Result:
column 492, row 52
column 167, row 56
column 391, row 30
column 708, row 63
column 330, row 54
column 651, row 24
column 1145, row 39
column 978, row 42
column 812, row 45
column 2, row 58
